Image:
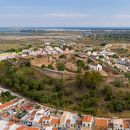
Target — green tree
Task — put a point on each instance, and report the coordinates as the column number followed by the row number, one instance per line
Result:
column 50, row 66
column 80, row 63
column 107, row 92
column 92, row 79
column 61, row 66
column 43, row 66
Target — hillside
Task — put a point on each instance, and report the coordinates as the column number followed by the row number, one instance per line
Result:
column 88, row 94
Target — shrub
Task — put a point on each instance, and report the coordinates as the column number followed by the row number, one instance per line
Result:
column 60, row 66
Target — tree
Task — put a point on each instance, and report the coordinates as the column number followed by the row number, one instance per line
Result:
column 107, row 92
column 92, row 79
column 80, row 63
column 50, row 66
column 118, row 106
column 43, row 66
column 60, row 66
column 6, row 94
column 89, row 80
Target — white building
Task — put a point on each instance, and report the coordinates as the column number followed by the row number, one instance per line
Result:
column 87, row 121
column 117, row 124
column 96, row 67
column 68, row 116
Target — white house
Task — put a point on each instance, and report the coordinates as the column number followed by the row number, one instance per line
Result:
column 68, row 117
column 87, row 121
column 117, row 124
column 96, row 67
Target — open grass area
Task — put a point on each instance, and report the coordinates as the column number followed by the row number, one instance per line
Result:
column 4, row 47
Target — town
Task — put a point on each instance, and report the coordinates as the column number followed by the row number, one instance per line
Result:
column 51, row 55
column 65, row 65
column 63, row 61
column 23, row 114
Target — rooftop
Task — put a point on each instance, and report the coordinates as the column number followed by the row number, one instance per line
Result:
column 101, row 123
column 87, row 119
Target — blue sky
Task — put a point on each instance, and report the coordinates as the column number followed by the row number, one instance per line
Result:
column 53, row 13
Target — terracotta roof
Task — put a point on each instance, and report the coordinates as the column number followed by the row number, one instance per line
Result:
column 29, row 128
column 7, row 104
column 125, row 124
column 54, row 128
column 26, row 128
column 40, row 121
column 87, row 119
column 101, row 123
column 21, row 128
column 55, row 121
column 47, row 118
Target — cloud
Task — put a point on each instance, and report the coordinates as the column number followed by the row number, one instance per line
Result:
column 123, row 16
column 49, row 15
column 67, row 15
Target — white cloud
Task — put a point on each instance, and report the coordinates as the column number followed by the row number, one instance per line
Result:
column 123, row 16
column 67, row 15
column 49, row 15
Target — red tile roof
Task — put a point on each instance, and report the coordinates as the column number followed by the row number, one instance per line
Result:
column 29, row 128
column 26, row 128
column 87, row 119
column 54, row 128
column 55, row 121
column 40, row 121
column 21, row 128
column 47, row 118
column 101, row 123
column 125, row 124
column 7, row 104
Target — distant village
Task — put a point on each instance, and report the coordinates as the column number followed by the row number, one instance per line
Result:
column 69, row 54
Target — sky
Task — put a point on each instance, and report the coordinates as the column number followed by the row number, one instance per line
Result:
column 64, row 13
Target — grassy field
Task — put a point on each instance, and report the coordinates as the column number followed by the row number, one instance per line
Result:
column 4, row 47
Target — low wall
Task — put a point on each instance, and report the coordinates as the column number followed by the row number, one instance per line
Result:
column 54, row 73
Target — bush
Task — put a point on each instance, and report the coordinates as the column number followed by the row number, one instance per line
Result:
column 80, row 63
column 107, row 92
column 60, row 66
column 117, row 106
column 117, row 83
column 43, row 66
column 50, row 66
column 89, row 80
